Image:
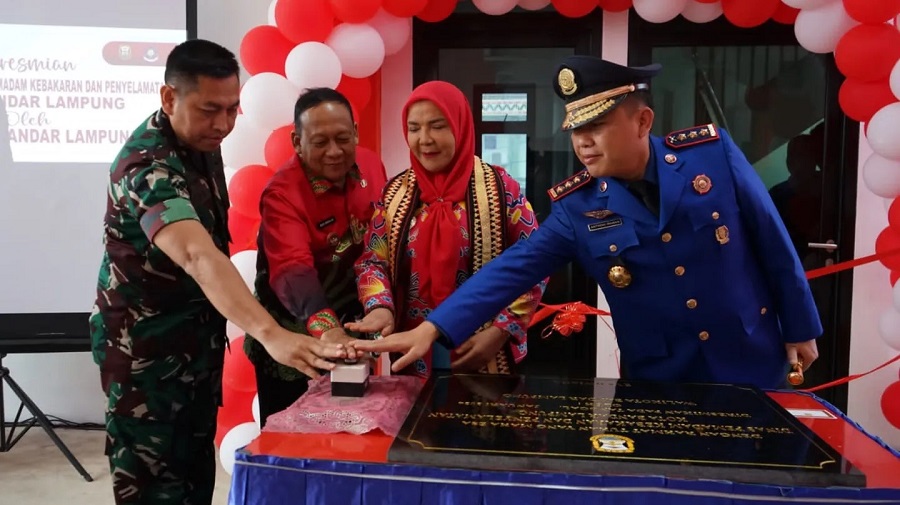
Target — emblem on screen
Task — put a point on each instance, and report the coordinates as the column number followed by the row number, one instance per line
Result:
column 612, row 443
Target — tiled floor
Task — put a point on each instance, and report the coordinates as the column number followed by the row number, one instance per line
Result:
column 36, row 472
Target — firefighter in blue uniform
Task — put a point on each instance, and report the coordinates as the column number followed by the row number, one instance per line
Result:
column 700, row 274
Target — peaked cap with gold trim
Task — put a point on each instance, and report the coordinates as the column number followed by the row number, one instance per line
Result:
column 593, row 87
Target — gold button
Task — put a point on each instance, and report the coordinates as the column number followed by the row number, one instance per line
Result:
column 704, row 335
column 613, row 248
column 763, row 310
column 691, row 304
column 679, row 271
column 666, row 237
column 715, row 215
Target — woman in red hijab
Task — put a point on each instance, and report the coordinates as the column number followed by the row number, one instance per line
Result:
column 437, row 223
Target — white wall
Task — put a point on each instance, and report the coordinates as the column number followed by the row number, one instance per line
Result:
column 68, row 385
column 396, row 86
column 872, row 295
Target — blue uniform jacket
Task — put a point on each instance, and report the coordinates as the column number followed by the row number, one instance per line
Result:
column 716, row 289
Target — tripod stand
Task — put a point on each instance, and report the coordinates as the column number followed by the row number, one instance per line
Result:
column 7, row 441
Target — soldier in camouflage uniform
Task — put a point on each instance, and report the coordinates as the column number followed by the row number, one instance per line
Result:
column 166, row 285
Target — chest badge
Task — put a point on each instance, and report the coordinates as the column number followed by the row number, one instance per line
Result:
column 363, row 183
column 619, row 276
column 599, row 214
column 722, row 234
column 702, row 184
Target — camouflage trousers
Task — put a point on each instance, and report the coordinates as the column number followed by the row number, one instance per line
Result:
column 164, row 461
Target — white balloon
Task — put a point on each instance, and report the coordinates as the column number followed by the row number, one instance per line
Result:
column 807, row 4
column 895, row 80
column 245, row 145
column 533, row 5
column 268, row 100
column 882, row 176
column 232, row 331
column 254, row 408
column 312, row 65
column 495, row 7
column 394, row 31
column 659, row 11
column 819, row 30
column 889, row 324
column 270, row 15
column 883, row 131
column 245, row 262
column 237, row 437
column 698, row 12
column 358, row 47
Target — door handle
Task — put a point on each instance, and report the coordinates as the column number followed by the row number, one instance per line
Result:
column 828, row 246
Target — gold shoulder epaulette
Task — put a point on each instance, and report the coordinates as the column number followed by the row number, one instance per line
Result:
column 569, row 185
column 692, row 136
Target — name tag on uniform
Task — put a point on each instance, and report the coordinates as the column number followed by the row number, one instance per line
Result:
column 326, row 222
column 602, row 225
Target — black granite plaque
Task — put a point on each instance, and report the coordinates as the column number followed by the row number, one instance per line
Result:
column 615, row 427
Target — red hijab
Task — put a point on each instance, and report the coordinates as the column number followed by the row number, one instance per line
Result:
column 439, row 192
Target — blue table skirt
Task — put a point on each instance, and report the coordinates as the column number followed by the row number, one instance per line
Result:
column 261, row 479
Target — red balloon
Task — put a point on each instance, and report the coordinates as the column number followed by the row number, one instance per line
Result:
column 366, row 157
column 237, row 408
column 246, row 188
column 243, row 230
column 785, row 15
column 355, row 11
column 238, row 373
column 304, row 20
column 868, row 52
column 749, row 13
column 860, row 100
column 437, row 10
column 894, row 215
column 887, row 242
column 264, row 49
column 574, row 8
column 872, row 12
column 279, row 148
column 621, row 5
column 404, row 8
column 890, row 404
column 358, row 91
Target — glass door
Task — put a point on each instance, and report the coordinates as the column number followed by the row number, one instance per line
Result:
column 506, row 65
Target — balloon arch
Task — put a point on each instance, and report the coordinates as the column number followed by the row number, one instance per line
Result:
column 342, row 44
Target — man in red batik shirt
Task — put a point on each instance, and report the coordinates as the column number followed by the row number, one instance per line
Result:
column 315, row 212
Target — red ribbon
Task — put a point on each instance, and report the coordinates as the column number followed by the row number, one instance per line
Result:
column 849, row 378
column 847, row 265
column 570, row 317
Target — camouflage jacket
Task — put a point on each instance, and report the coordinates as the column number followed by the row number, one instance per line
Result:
column 151, row 321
